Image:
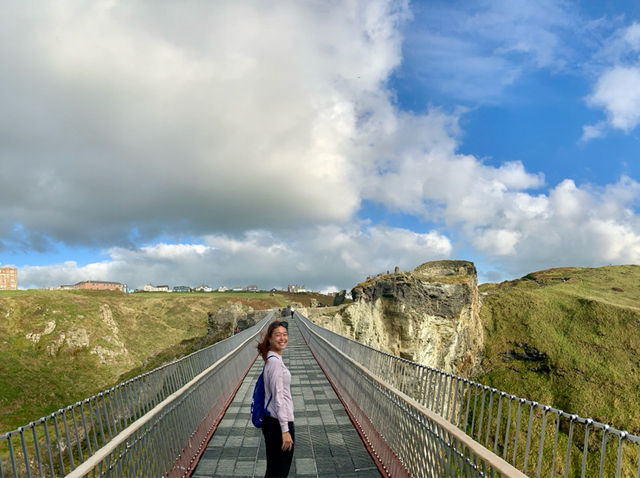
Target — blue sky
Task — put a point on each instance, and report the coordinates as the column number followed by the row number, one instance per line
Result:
column 316, row 143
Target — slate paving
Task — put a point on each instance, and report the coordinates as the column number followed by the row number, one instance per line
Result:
column 326, row 443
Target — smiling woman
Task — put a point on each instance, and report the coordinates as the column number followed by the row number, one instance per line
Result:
column 277, row 426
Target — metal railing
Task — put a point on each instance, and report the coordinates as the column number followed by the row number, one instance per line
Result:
column 537, row 439
column 406, row 438
column 151, row 425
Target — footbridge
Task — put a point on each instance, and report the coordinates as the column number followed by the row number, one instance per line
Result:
column 359, row 412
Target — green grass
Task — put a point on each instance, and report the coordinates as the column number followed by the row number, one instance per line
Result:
column 584, row 326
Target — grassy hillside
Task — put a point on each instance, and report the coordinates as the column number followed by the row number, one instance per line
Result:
column 57, row 347
column 569, row 337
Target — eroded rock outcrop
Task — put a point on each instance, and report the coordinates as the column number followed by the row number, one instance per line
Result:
column 113, row 349
column 224, row 320
column 428, row 315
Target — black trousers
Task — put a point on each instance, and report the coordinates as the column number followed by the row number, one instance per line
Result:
column 278, row 461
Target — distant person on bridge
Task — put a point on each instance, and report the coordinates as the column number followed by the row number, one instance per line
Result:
column 277, row 426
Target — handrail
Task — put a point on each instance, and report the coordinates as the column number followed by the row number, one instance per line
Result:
column 57, row 444
column 538, row 439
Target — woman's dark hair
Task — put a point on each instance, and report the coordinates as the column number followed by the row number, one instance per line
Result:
column 265, row 345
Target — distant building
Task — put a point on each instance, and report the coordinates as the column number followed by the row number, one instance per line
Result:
column 96, row 285
column 155, row 288
column 182, row 288
column 237, row 288
column 8, row 278
column 251, row 288
column 222, row 289
column 296, row 288
column 203, row 288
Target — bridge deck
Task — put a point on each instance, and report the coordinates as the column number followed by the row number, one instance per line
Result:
column 326, row 443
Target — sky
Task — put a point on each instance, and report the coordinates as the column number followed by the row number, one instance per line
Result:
column 316, row 143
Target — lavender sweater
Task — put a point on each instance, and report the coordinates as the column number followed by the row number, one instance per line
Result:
column 277, row 384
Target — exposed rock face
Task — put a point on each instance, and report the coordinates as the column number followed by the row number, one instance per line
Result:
column 338, row 299
column 221, row 323
column 429, row 315
column 111, row 335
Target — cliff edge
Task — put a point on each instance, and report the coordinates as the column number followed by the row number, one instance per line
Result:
column 429, row 315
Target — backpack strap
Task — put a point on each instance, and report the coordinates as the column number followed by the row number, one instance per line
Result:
column 270, row 396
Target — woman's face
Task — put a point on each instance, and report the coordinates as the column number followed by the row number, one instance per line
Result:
column 279, row 339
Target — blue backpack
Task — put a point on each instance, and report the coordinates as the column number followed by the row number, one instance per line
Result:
column 258, row 408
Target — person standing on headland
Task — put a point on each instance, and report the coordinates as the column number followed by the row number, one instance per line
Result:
column 277, row 425
column 292, row 312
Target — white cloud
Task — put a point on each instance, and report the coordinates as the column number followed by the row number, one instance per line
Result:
column 593, row 131
column 632, row 36
column 321, row 257
column 572, row 225
column 499, row 242
column 222, row 116
column 617, row 91
column 617, row 88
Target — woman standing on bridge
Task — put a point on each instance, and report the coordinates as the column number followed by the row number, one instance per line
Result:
column 277, row 427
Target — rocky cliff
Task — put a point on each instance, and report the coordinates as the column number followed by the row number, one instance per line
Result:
column 429, row 315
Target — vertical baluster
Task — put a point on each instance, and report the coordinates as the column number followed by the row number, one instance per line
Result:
column 67, row 436
column 107, row 418
column 506, row 430
column 423, row 386
column 120, row 408
column 455, row 417
column 87, row 432
column 569, row 440
column 77, row 434
column 447, row 394
column 36, row 445
column 476, row 388
column 484, row 389
column 96, row 407
column 132, row 400
column 585, row 450
column 437, row 394
column 499, row 416
column 1, row 467
column 12, row 455
column 132, row 413
column 603, row 449
column 58, row 441
column 532, row 407
column 542, row 434
column 429, row 388
column 147, row 393
column 25, row 455
column 621, row 439
column 416, row 382
column 555, row 445
column 469, row 388
column 515, row 441
column 47, row 443
column 491, row 394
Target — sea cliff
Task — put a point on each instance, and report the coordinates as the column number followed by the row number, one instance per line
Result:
column 429, row 315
